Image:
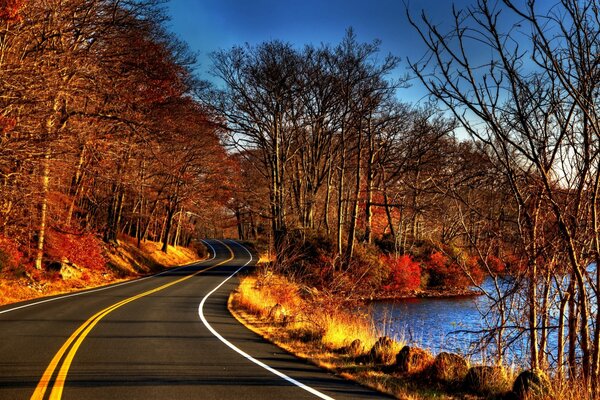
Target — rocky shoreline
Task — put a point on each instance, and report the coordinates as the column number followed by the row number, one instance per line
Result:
column 440, row 293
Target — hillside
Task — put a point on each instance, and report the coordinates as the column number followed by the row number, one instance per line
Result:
column 113, row 263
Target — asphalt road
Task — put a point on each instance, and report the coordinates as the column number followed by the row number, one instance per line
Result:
column 168, row 336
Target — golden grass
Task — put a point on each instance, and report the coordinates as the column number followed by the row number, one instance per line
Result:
column 334, row 328
column 341, row 328
column 265, row 258
column 315, row 330
column 125, row 261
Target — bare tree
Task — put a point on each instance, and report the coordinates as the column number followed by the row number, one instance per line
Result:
column 531, row 103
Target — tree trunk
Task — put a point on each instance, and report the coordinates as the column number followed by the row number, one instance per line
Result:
column 76, row 185
column 369, row 187
column 340, row 199
column 167, row 230
column 355, row 199
column 532, row 314
column 560, row 342
column 572, row 326
column 545, row 315
column 240, row 225
column 178, row 230
column 43, row 208
column 388, row 213
column 327, row 200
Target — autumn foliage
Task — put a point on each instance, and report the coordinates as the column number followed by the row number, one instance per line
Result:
column 99, row 134
column 452, row 271
column 9, row 10
column 84, row 250
column 10, row 255
column 405, row 273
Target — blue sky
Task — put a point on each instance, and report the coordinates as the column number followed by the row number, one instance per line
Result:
column 209, row 25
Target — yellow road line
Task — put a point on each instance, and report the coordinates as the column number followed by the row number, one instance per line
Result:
column 80, row 334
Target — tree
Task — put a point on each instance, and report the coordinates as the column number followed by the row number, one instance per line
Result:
column 531, row 104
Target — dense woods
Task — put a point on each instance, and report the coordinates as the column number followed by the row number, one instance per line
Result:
column 335, row 168
column 100, row 135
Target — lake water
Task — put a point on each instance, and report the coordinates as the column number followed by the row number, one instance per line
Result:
column 451, row 324
column 439, row 324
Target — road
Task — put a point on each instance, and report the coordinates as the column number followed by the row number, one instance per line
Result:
column 168, row 336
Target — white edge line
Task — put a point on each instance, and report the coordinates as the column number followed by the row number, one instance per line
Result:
column 241, row 352
column 105, row 287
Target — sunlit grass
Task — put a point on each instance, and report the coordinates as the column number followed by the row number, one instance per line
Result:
column 314, row 329
column 125, row 261
column 265, row 258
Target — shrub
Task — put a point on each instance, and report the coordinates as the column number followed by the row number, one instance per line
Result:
column 495, row 265
column 444, row 271
column 487, row 380
column 387, row 243
column 404, row 273
column 84, row 250
column 10, row 256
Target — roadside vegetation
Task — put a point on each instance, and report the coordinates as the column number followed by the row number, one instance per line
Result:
column 337, row 334
column 83, row 263
column 314, row 326
column 104, row 153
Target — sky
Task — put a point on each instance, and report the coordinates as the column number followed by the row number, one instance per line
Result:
column 209, row 25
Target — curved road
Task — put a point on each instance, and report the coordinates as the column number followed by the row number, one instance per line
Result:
column 168, row 336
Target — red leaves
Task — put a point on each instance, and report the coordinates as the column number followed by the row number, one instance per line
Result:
column 10, row 255
column 405, row 274
column 82, row 250
column 9, row 10
column 7, row 124
column 495, row 265
column 445, row 271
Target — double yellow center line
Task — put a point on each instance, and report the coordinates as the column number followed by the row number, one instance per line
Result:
column 72, row 344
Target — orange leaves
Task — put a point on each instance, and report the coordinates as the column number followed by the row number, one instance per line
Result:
column 9, row 10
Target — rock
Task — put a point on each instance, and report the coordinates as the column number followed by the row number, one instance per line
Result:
column 532, row 384
column 413, row 360
column 277, row 313
column 382, row 351
column 65, row 268
column 354, row 349
column 449, row 368
column 487, row 380
column 69, row 272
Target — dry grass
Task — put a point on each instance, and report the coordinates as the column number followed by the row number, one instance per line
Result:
column 334, row 328
column 124, row 262
column 311, row 327
column 315, row 330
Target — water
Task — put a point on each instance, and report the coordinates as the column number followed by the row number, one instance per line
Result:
column 438, row 324
column 452, row 324
column 455, row 324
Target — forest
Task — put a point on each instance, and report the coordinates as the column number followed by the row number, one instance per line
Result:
column 107, row 131
column 100, row 133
